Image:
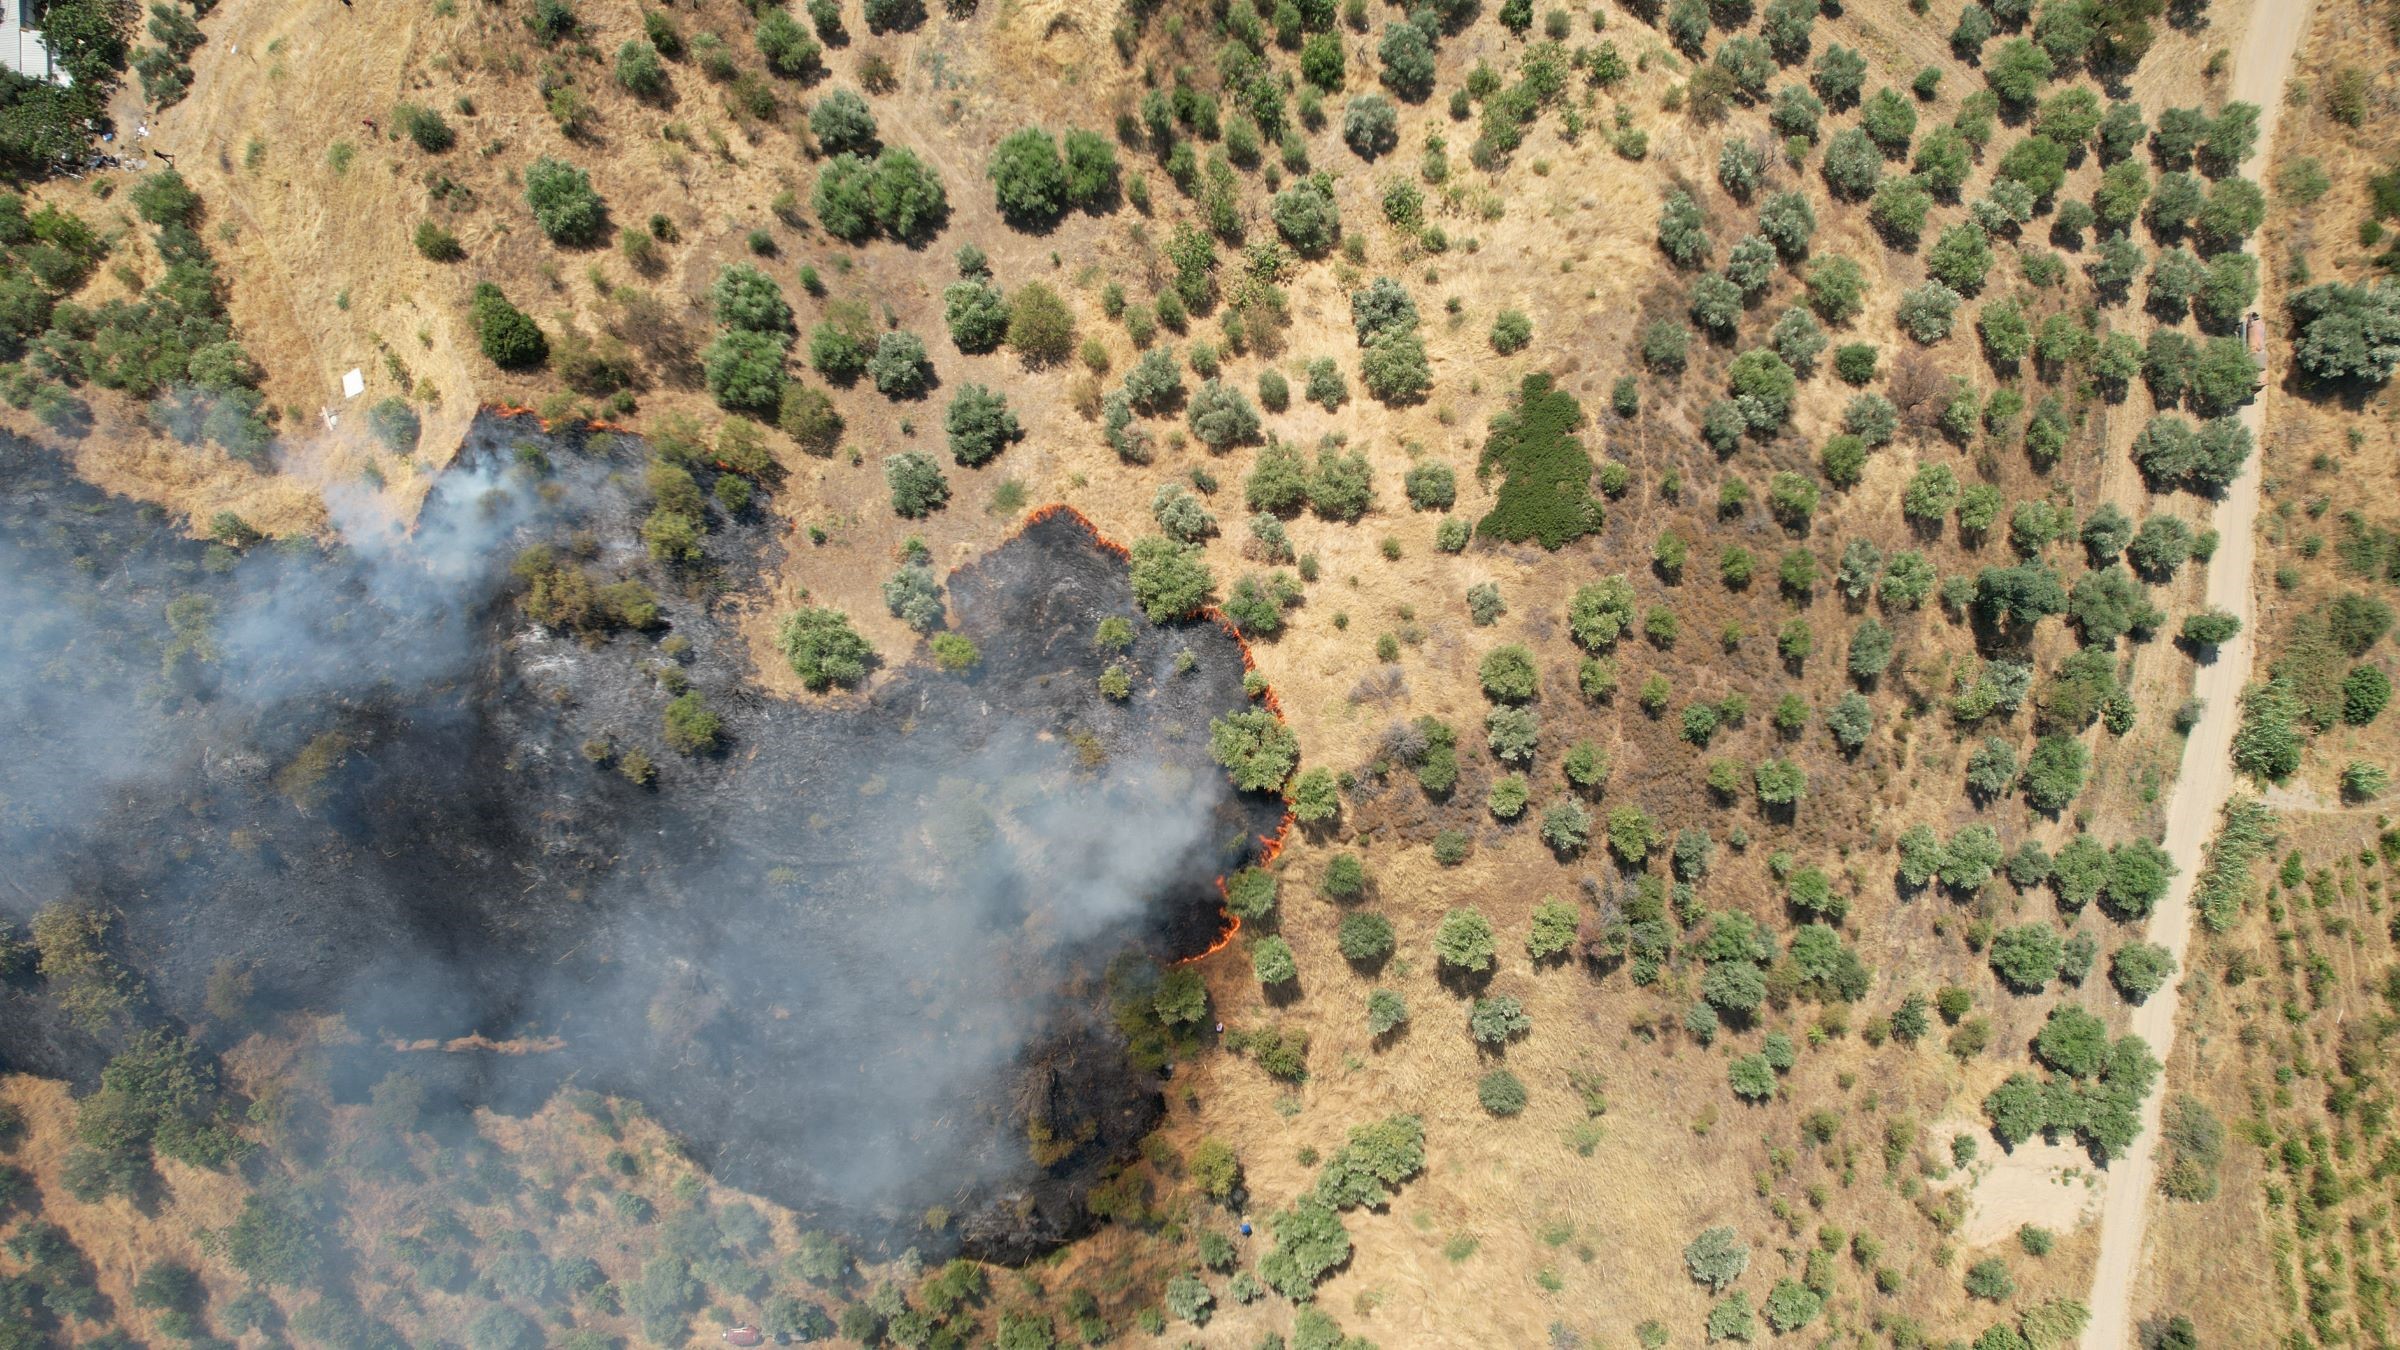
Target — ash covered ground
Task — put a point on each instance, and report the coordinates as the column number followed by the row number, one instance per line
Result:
column 855, row 956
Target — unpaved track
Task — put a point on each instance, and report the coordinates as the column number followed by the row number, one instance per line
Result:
column 2206, row 778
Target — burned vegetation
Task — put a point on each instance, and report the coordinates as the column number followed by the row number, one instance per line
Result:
column 501, row 793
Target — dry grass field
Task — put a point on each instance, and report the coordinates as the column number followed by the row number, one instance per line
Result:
column 1561, row 1225
column 2288, row 1011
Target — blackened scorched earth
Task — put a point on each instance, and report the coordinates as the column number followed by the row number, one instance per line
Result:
column 855, row 956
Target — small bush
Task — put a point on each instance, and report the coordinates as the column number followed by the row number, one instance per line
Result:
column 1502, row 1093
column 1717, row 1258
column 822, row 648
column 639, row 70
column 1989, row 1279
column 396, row 425
column 1508, row 674
column 1029, row 178
column 690, row 726
column 1170, row 580
column 508, row 336
column 917, row 484
column 1511, row 332
column 898, row 367
column 1364, row 937
column 891, row 16
column 437, row 244
column 563, row 202
column 427, row 128
column 1257, row 750
column 979, row 425
column 1370, row 126
column 786, row 47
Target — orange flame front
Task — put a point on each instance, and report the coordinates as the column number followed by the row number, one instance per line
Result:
column 1041, row 513
column 1269, row 847
column 1233, row 926
column 592, row 424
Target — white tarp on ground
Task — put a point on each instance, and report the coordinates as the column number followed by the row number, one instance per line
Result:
column 353, row 384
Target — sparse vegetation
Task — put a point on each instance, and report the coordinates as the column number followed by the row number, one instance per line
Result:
column 1869, row 703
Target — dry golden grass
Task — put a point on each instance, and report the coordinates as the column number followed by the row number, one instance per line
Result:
column 118, row 1238
column 325, row 278
column 2232, row 1263
column 2229, row 1262
column 2329, row 456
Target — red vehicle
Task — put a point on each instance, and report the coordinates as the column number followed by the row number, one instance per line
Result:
column 744, row 1335
column 2254, row 335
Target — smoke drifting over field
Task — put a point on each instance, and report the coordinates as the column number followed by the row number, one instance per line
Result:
column 855, row 955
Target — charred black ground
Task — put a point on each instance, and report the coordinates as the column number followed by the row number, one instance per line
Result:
column 854, row 956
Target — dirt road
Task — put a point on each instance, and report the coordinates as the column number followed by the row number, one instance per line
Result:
column 2206, row 778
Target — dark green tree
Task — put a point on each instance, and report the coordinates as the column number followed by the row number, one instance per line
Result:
column 1029, row 179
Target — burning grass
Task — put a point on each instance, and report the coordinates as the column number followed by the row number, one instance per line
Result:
column 1270, row 845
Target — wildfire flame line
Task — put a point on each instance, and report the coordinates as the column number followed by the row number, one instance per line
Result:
column 522, row 1045
column 547, row 425
column 1269, row 846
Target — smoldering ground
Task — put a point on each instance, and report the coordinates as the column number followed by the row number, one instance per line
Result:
column 855, row 955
